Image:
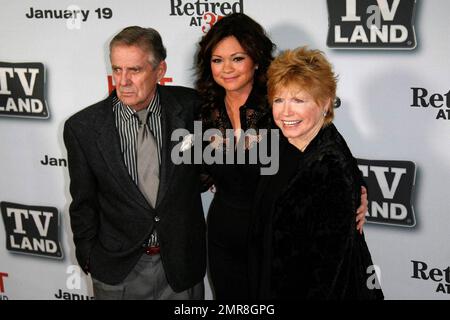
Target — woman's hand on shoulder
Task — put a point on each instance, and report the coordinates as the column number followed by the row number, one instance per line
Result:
column 361, row 211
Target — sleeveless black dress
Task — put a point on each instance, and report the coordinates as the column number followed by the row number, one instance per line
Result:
column 229, row 214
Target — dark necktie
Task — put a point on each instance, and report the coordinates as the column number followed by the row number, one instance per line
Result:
column 147, row 160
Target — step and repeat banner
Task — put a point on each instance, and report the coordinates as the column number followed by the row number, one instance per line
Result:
column 394, row 79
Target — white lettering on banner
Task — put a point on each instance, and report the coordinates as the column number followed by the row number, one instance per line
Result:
column 34, row 244
column 31, row 229
column 383, row 6
column 27, row 86
column 380, row 174
column 387, row 34
column 390, row 184
column 386, row 210
column 371, row 24
column 37, row 245
column 18, row 213
column 3, row 80
column 22, row 90
column 394, row 211
column 23, row 105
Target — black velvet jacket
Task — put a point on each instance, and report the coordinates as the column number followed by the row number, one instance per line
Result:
column 304, row 243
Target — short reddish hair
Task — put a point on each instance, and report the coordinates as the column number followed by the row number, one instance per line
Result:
column 308, row 70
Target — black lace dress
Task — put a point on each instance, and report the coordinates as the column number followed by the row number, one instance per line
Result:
column 229, row 213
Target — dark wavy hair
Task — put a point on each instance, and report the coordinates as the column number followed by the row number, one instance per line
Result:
column 253, row 39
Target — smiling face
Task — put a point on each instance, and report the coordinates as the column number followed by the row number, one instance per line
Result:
column 232, row 68
column 298, row 115
column 134, row 75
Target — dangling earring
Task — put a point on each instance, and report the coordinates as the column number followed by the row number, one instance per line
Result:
column 256, row 67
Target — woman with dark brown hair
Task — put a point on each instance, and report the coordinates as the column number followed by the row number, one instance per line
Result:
column 232, row 62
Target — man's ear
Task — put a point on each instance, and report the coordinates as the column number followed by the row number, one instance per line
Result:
column 162, row 68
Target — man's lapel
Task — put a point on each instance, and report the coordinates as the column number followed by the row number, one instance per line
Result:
column 109, row 145
column 170, row 120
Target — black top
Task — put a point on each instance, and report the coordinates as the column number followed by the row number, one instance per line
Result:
column 287, row 168
column 236, row 183
column 230, row 211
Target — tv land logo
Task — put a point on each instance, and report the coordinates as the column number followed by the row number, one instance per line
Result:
column 3, row 275
column 437, row 275
column 32, row 230
column 371, row 24
column 22, row 90
column 421, row 97
column 204, row 14
column 390, row 185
